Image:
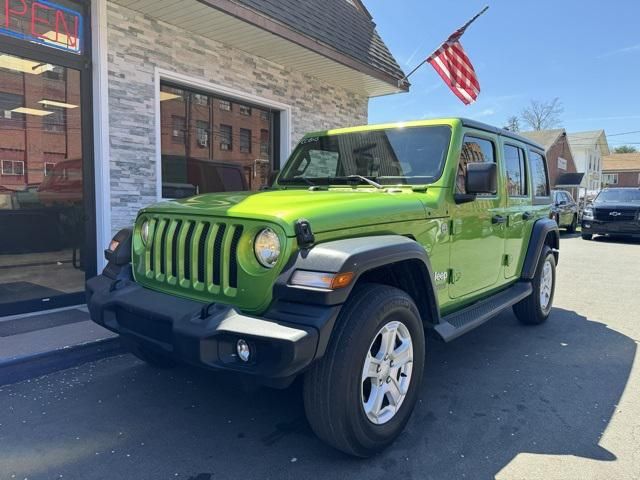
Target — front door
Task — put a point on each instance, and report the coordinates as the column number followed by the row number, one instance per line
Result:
column 45, row 252
column 477, row 244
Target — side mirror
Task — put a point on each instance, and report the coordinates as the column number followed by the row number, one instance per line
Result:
column 482, row 177
column 562, row 202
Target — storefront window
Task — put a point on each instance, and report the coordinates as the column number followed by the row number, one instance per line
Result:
column 42, row 246
column 213, row 144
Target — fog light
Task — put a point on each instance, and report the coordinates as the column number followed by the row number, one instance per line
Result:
column 242, row 347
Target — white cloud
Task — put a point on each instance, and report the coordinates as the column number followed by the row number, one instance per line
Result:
column 621, row 51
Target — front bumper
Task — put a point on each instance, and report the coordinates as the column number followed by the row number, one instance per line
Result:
column 598, row 227
column 283, row 343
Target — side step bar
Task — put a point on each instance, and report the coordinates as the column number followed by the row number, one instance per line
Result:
column 460, row 322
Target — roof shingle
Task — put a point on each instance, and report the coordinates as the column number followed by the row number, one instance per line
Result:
column 620, row 162
column 336, row 23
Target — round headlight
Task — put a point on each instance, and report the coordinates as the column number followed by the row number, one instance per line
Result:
column 144, row 232
column 267, row 247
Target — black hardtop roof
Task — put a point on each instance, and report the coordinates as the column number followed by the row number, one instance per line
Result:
column 467, row 122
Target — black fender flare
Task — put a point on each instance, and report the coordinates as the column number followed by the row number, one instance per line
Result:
column 541, row 230
column 358, row 255
column 320, row 308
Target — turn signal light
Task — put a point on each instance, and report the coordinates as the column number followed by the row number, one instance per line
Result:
column 329, row 281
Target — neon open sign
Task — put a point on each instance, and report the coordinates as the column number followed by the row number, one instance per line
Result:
column 42, row 22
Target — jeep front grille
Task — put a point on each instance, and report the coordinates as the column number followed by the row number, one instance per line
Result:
column 193, row 254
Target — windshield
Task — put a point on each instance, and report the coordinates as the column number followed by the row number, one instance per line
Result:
column 413, row 155
column 631, row 195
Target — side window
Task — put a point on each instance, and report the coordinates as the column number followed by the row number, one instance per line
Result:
column 539, row 176
column 516, row 171
column 474, row 149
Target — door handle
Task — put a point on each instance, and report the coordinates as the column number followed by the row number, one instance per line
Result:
column 498, row 219
column 527, row 215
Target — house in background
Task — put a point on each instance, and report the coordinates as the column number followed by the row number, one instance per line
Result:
column 588, row 149
column 621, row 170
column 562, row 168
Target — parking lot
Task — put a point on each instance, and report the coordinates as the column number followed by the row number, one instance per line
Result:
column 556, row 401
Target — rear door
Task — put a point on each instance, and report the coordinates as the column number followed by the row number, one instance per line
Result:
column 518, row 206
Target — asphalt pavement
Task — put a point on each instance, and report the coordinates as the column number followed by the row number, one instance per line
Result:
column 558, row 401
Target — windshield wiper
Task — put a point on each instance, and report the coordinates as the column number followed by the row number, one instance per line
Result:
column 365, row 179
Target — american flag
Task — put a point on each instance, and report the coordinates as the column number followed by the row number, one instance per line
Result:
column 453, row 65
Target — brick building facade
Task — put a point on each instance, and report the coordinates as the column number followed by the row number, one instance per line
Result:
column 621, row 170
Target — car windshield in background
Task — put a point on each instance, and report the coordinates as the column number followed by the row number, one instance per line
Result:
column 411, row 155
column 631, row 195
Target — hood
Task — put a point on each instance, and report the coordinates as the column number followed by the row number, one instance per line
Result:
column 325, row 209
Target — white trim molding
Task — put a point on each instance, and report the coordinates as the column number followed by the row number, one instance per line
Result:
column 101, row 154
column 286, row 126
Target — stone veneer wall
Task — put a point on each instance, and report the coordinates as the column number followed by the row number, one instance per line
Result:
column 137, row 44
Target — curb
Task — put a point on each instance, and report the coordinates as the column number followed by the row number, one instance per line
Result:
column 30, row 366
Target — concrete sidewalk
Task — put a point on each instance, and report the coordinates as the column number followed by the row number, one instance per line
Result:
column 41, row 343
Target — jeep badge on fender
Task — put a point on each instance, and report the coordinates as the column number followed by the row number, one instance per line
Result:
column 368, row 238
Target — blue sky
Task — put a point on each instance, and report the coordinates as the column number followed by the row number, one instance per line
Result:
column 587, row 53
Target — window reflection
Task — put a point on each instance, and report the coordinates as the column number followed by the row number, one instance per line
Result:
column 213, row 144
column 41, row 180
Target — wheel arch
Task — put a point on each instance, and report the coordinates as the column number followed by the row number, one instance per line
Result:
column 393, row 260
column 545, row 232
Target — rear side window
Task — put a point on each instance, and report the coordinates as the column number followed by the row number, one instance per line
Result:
column 474, row 149
column 516, row 171
column 539, row 176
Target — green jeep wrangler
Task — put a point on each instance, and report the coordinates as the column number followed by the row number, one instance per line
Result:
column 369, row 239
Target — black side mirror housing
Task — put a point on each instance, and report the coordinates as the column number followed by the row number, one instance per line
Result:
column 482, row 177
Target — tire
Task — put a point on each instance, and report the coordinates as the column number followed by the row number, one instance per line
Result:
column 334, row 390
column 587, row 236
column 152, row 357
column 533, row 310
column 572, row 228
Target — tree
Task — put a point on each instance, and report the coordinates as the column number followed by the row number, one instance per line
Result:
column 625, row 149
column 542, row 115
column 513, row 124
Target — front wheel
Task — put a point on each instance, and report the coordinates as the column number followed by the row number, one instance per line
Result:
column 360, row 395
column 587, row 236
column 535, row 309
column 574, row 223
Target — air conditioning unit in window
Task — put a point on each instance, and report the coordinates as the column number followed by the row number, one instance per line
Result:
column 203, row 139
column 176, row 133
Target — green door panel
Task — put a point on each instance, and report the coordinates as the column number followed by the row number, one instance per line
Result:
column 477, row 247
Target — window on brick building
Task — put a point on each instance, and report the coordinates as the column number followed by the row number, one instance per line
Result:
column 245, row 140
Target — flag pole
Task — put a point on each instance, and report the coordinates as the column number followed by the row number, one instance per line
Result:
column 402, row 81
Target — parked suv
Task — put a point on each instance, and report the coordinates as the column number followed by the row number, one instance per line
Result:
column 370, row 238
column 615, row 211
column 564, row 210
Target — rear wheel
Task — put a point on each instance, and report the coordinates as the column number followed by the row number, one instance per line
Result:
column 572, row 228
column 360, row 395
column 535, row 309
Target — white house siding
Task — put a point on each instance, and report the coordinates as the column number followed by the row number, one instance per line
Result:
column 138, row 45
